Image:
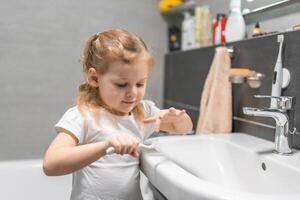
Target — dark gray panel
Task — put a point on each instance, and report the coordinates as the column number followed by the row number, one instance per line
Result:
column 185, row 75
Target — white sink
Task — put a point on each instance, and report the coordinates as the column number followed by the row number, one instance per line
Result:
column 221, row 166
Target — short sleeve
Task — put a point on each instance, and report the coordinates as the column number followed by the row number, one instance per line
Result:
column 73, row 122
column 150, row 110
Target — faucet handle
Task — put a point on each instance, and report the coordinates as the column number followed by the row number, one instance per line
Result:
column 283, row 102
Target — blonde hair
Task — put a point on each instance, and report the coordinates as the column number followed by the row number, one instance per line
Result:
column 99, row 52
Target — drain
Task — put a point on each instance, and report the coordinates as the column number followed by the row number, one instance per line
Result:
column 263, row 166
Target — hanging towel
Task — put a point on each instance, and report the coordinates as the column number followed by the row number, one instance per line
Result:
column 216, row 98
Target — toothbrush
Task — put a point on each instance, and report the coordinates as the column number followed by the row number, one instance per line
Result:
column 111, row 150
column 278, row 74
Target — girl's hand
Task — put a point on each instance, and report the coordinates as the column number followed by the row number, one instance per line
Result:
column 170, row 115
column 124, row 144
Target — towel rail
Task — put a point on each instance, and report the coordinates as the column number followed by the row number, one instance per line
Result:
column 194, row 108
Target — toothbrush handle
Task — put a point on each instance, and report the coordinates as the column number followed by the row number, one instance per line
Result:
column 111, row 150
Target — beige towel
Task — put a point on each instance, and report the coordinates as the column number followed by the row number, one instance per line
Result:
column 216, row 98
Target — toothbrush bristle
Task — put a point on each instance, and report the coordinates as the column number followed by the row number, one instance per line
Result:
column 280, row 38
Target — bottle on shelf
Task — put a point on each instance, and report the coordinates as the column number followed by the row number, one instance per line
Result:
column 235, row 26
column 213, row 30
column 219, row 28
column 203, row 26
column 256, row 30
column 174, row 37
column 188, row 40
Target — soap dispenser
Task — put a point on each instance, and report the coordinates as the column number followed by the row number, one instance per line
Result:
column 235, row 26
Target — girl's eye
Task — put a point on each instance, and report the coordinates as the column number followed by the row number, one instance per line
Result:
column 140, row 84
column 121, row 85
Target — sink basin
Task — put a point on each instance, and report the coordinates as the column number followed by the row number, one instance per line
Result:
column 221, row 166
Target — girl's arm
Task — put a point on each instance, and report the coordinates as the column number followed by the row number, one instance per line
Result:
column 171, row 120
column 64, row 156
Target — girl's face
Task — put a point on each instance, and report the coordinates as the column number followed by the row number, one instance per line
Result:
column 123, row 86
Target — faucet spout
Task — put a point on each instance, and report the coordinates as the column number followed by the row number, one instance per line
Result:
column 281, row 118
column 282, row 144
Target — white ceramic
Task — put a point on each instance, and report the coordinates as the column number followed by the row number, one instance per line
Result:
column 221, row 166
column 24, row 179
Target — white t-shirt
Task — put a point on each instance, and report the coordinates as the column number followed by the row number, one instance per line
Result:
column 112, row 177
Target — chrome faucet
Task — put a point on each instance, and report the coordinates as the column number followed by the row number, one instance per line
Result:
column 283, row 116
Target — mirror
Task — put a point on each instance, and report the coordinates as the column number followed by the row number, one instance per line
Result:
column 254, row 5
column 258, row 10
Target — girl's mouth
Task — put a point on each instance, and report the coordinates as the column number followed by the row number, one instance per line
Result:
column 128, row 102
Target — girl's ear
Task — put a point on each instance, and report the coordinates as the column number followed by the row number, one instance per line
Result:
column 92, row 77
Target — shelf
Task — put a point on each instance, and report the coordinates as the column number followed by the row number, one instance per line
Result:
column 272, row 11
column 231, row 43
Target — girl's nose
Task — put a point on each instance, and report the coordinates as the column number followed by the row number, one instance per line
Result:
column 128, row 94
column 131, row 92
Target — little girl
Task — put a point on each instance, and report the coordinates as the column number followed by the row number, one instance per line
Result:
column 110, row 112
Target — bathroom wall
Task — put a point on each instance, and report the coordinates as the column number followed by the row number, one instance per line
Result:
column 41, row 44
column 185, row 74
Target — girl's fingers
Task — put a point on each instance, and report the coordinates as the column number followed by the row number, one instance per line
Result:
column 130, row 144
column 172, row 110
column 125, row 144
column 150, row 120
column 157, row 124
column 123, row 147
column 133, row 147
column 117, row 145
column 135, row 154
column 127, row 147
column 164, row 116
column 182, row 112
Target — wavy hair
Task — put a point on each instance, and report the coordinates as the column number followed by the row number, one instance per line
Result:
column 102, row 49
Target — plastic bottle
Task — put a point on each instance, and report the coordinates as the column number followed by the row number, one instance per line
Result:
column 174, row 34
column 213, row 30
column 256, row 30
column 218, row 30
column 188, row 40
column 235, row 27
